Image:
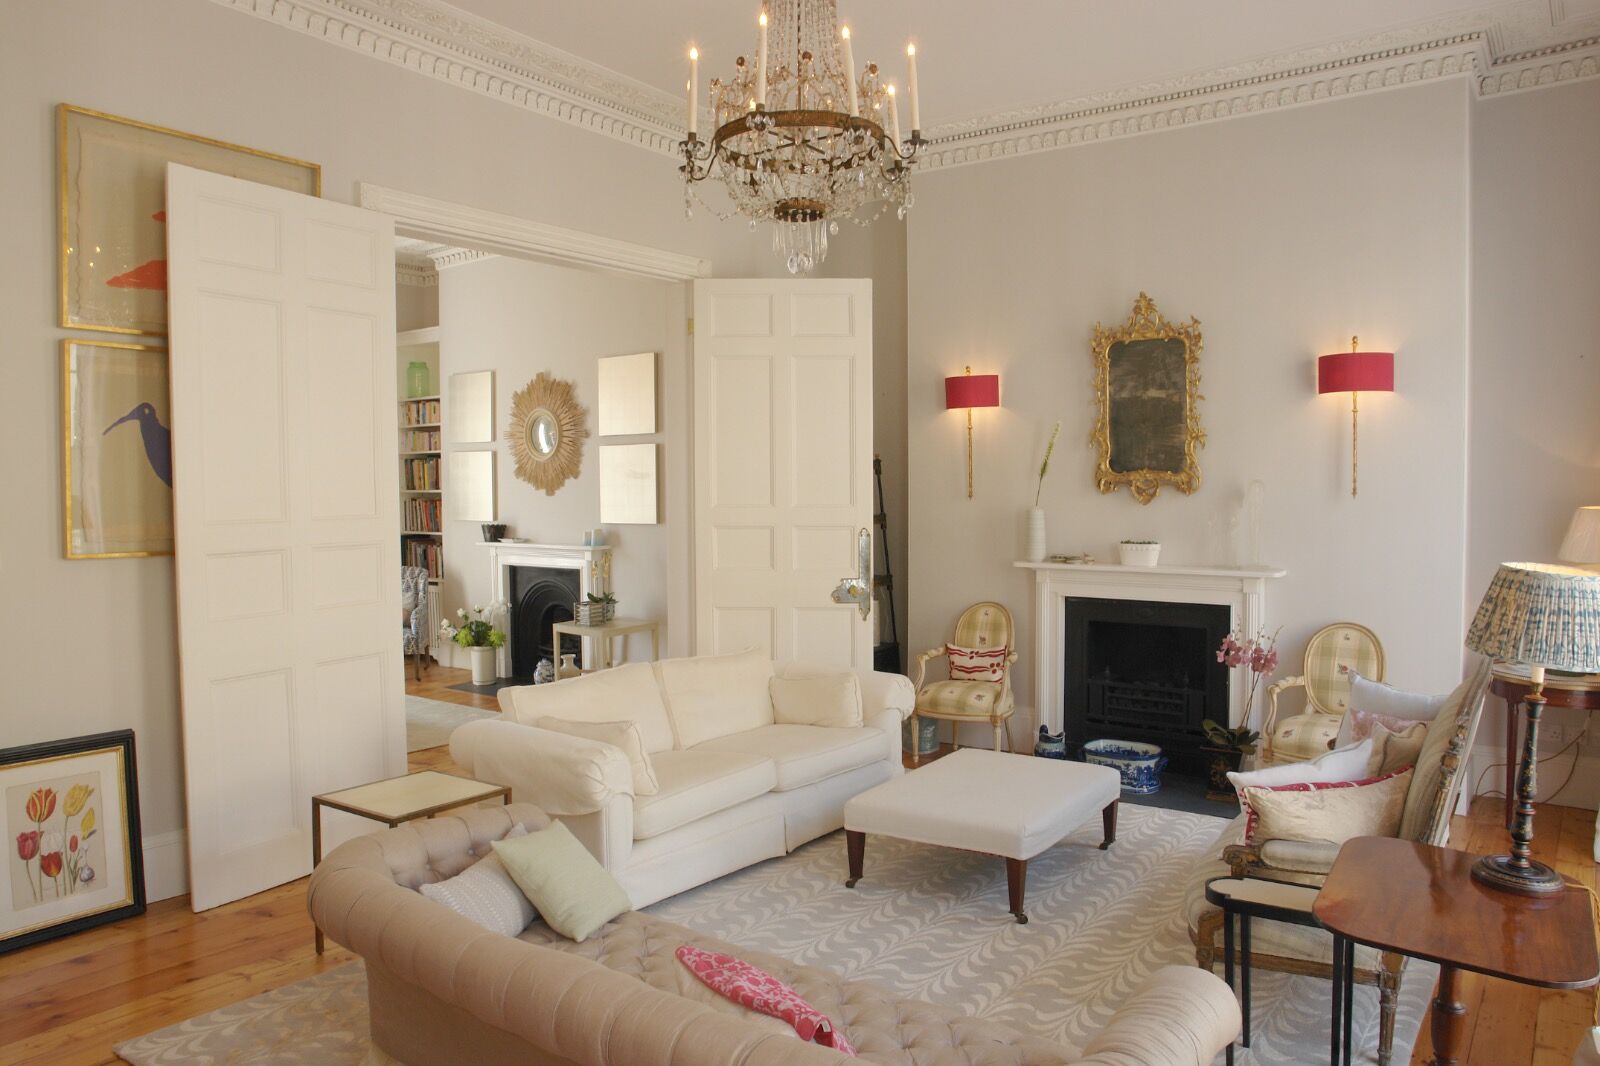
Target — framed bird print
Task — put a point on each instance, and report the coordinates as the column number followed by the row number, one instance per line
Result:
column 116, row 450
column 112, row 174
column 69, row 818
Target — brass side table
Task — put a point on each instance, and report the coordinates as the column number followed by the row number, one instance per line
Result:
column 605, row 634
column 397, row 800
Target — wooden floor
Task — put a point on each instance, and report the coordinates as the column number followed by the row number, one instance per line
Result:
column 68, row 1001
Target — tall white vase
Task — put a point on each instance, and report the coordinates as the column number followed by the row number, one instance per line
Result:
column 482, row 665
column 1035, row 543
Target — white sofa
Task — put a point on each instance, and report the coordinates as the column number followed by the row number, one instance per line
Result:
column 735, row 786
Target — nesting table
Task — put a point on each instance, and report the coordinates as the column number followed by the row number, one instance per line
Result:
column 605, row 633
column 1244, row 898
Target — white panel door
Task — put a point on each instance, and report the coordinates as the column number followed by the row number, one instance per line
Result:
column 783, row 466
column 284, row 450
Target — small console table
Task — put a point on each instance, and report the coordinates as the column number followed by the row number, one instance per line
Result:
column 606, row 632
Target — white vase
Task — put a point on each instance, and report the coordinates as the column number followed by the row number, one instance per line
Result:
column 1036, row 549
column 482, row 665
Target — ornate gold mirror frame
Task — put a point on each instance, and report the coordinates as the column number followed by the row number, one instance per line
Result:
column 1147, row 400
column 543, row 401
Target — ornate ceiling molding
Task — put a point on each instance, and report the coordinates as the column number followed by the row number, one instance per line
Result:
column 418, row 262
column 1509, row 46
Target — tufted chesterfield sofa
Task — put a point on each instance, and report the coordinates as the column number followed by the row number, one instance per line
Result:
column 443, row 990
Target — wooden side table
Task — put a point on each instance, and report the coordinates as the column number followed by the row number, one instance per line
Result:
column 1421, row 901
column 1510, row 682
column 396, row 800
column 606, row 632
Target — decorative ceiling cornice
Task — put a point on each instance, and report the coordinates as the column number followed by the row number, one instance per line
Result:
column 418, row 262
column 1504, row 47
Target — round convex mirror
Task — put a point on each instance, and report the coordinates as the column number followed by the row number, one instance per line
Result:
column 543, row 434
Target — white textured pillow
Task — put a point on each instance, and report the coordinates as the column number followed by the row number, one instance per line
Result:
column 484, row 893
column 1374, row 697
column 830, row 700
column 1340, row 764
column 624, row 735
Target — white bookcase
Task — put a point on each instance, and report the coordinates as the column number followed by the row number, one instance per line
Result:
column 421, row 469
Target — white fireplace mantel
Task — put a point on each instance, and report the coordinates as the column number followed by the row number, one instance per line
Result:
column 1241, row 589
column 591, row 561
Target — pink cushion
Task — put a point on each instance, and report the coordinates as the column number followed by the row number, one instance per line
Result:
column 976, row 664
column 758, row 990
column 1361, row 723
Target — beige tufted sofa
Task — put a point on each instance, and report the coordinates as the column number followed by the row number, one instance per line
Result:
column 443, row 990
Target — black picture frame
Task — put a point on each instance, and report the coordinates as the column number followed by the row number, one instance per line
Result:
column 122, row 742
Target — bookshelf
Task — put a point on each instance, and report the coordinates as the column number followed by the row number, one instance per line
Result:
column 421, row 488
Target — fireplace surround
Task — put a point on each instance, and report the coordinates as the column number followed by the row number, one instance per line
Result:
column 588, row 565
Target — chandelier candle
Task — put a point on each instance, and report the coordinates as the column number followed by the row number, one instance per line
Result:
column 911, row 86
column 761, row 64
column 894, row 114
column 850, row 72
column 694, row 91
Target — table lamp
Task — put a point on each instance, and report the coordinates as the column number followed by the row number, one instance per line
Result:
column 1581, row 545
column 971, row 390
column 1355, row 372
column 1546, row 617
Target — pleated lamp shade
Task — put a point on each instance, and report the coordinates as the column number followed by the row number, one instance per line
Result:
column 1582, row 542
column 1542, row 615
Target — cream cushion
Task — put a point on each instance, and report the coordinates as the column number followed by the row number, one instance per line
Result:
column 824, row 700
column 1331, row 813
column 1374, row 697
column 624, row 735
column 697, row 783
column 572, row 892
column 485, row 894
column 1341, row 764
column 1391, row 751
column 711, row 696
column 804, row 754
column 979, row 699
column 627, row 691
column 988, row 801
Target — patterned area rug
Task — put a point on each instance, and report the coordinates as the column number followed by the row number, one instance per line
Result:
column 429, row 723
column 926, row 922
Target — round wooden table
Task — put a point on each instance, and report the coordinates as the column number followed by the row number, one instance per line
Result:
column 1510, row 682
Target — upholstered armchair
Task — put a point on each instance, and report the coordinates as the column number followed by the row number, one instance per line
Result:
column 1435, row 787
column 1333, row 652
column 414, row 615
column 969, row 695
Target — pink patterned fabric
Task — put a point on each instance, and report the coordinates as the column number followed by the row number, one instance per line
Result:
column 758, row 990
column 1361, row 723
column 1301, row 786
column 976, row 664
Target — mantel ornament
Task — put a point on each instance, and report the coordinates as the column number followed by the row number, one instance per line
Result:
column 1147, row 396
column 547, row 431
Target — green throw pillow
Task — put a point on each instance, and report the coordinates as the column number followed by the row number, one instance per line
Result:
column 573, row 893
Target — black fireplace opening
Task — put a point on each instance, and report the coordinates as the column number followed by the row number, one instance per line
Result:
column 1147, row 671
column 541, row 596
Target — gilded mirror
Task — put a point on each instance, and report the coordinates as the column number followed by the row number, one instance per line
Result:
column 547, row 431
column 1147, row 397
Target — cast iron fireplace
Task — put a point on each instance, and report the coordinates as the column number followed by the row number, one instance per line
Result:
column 1144, row 670
column 540, row 597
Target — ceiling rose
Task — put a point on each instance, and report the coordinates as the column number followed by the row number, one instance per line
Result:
column 803, row 137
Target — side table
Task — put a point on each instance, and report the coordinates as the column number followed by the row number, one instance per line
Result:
column 1245, row 898
column 1419, row 900
column 400, row 799
column 1510, row 682
column 604, row 633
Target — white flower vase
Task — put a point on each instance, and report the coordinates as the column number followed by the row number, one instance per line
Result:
column 1035, row 543
column 482, row 659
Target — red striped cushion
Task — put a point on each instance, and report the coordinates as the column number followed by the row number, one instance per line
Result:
column 1301, row 786
column 976, row 664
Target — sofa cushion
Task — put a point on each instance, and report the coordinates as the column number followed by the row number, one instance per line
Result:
column 573, row 893
column 485, row 894
column 697, row 783
column 710, row 696
column 832, row 699
column 624, row 735
column 628, row 691
column 804, row 754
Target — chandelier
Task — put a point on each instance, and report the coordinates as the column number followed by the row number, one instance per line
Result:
column 803, row 138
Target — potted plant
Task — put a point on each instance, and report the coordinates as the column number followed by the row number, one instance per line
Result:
column 1036, row 549
column 1225, row 750
column 1139, row 552
column 595, row 609
column 481, row 639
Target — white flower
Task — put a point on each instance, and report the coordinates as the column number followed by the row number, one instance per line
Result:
column 461, row 612
column 477, row 610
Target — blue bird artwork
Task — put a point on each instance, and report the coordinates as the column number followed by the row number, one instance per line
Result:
column 157, row 439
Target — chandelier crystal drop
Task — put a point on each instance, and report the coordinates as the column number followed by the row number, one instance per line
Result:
column 803, row 138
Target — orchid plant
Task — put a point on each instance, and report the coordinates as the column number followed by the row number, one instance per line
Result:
column 475, row 630
column 1258, row 656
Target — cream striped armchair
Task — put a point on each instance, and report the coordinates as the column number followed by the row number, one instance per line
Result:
column 986, row 626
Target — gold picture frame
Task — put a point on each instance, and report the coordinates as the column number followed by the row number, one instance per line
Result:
column 111, row 212
column 116, row 459
column 1147, row 401
column 547, row 430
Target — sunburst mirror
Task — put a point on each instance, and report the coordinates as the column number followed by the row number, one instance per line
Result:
column 547, row 431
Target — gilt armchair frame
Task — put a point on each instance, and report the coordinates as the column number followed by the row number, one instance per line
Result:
column 1314, row 704
column 1003, row 707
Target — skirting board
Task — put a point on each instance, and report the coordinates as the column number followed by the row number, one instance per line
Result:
column 1582, row 791
column 166, row 865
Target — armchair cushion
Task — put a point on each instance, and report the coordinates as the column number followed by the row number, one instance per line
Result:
column 624, row 735
column 975, row 699
column 1300, row 856
column 1393, row 750
column 1341, row 764
column 977, row 664
column 1333, row 811
column 823, row 700
column 1374, row 701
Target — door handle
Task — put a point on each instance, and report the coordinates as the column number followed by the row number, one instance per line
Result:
column 858, row 589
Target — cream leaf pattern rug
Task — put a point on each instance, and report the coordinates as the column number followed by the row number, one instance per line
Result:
column 925, row 922
column 429, row 723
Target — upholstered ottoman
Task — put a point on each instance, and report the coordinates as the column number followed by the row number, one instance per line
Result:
column 1014, row 806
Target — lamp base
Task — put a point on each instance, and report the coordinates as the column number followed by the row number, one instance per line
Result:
column 1535, row 879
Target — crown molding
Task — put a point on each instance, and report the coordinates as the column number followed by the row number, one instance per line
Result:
column 417, row 273
column 1503, row 47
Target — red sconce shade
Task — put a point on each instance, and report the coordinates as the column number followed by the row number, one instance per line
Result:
column 972, row 390
column 1356, row 372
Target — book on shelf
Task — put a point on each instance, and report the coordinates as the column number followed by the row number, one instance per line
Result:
column 424, row 552
column 422, row 514
column 419, row 413
column 420, row 440
column 421, row 473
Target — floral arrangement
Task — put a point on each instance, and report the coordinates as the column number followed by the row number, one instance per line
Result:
column 1044, row 467
column 62, row 857
column 475, row 631
column 1258, row 656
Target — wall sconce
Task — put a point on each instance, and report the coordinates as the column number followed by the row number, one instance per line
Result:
column 1355, row 372
column 971, row 390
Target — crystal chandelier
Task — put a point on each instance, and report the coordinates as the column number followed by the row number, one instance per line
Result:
column 800, row 138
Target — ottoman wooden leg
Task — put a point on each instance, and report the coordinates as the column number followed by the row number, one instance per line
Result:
column 1109, row 817
column 856, row 844
column 1017, row 884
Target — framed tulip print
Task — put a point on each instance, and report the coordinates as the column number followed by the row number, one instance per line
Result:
column 73, row 858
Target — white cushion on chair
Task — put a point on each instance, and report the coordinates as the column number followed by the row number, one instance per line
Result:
column 976, row 699
column 805, row 754
column 697, row 783
column 1340, row 764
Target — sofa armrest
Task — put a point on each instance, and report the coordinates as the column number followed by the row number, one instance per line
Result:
column 1183, row 1016
column 1286, row 856
column 565, row 775
column 881, row 691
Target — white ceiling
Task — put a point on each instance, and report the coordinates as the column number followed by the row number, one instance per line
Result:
column 980, row 59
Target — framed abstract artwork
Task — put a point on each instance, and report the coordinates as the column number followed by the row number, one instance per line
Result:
column 116, row 450
column 627, row 394
column 73, row 856
column 112, row 177
column 628, row 484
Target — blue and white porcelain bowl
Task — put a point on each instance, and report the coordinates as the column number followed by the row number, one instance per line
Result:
column 1139, row 764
